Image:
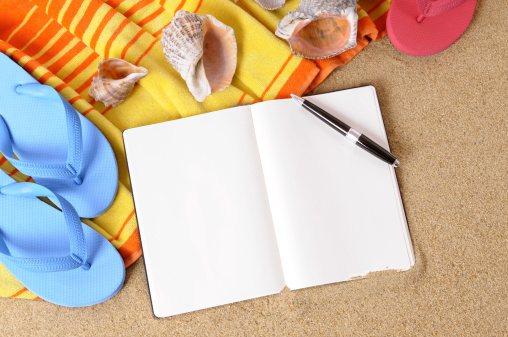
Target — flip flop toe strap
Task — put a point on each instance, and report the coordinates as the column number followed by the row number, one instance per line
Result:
column 78, row 255
column 72, row 167
column 432, row 8
column 429, row 8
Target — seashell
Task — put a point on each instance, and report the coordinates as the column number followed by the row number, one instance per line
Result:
column 320, row 28
column 271, row 4
column 115, row 81
column 203, row 50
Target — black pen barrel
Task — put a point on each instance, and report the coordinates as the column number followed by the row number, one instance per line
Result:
column 373, row 148
column 356, row 137
column 332, row 121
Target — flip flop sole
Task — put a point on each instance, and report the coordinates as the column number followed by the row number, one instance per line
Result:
column 430, row 36
column 32, row 228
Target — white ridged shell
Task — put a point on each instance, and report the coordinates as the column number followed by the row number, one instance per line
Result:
column 203, row 51
column 333, row 21
column 115, row 81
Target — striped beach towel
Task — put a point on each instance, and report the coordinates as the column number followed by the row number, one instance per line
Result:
column 61, row 42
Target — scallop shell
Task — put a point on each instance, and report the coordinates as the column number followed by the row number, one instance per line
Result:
column 115, row 81
column 320, row 28
column 271, row 4
column 203, row 50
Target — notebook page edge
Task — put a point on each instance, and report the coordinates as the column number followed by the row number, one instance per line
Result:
column 402, row 211
column 403, row 220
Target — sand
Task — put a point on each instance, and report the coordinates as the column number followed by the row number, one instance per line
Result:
column 447, row 120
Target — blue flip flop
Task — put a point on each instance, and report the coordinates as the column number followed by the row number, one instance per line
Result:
column 52, row 253
column 55, row 144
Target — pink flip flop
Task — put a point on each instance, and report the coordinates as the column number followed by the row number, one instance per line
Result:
column 427, row 27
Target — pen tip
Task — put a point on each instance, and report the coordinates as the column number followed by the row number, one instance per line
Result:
column 396, row 163
column 298, row 99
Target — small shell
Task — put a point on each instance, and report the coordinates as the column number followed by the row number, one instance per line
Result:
column 115, row 81
column 203, row 50
column 320, row 28
column 271, row 4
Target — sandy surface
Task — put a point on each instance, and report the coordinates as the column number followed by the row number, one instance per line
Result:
column 447, row 120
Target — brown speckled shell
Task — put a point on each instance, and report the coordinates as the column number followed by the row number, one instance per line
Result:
column 115, row 81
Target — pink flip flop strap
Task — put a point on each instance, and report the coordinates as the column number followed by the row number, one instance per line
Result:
column 433, row 8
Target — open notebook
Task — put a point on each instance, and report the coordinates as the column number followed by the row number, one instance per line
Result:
column 238, row 203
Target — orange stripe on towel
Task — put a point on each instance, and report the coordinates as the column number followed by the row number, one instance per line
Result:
column 141, row 4
column 74, row 100
column 180, row 5
column 66, row 58
column 109, row 15
column 60, row 44
column 71, row 12
column 241, row 98
column 45, row 77
column 87, row 111
column 114, row 3
column 61, row 87
column 380, row 24
column 107, row 109
column 92, row 57
column 30, row 66
column 131, row 42
column 113, row 37
column 299, row 80
column 130, row 251
column 19, row 292
column 376, row 6
column 277, row 76
column 86, row 83
column 157, row 33
column 83, row 24
column 146, row 52
column 151, row 17
column 199, row 6
column 125, row 223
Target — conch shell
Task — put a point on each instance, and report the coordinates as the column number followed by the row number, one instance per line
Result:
column 115, row 81
column 320, row 28
column 271, row 4
column 203, row 50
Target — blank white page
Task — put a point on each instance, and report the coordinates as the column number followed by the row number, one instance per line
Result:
column 203, row 213
column 337, row 209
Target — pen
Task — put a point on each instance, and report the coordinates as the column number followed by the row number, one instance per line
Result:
column 351, row 134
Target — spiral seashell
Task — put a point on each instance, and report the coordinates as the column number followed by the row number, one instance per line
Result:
column 320, row 28
column 271, row 4
column 115, row 81
column 203, row 51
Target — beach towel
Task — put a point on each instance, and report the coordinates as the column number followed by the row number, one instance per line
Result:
column 61, row 42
